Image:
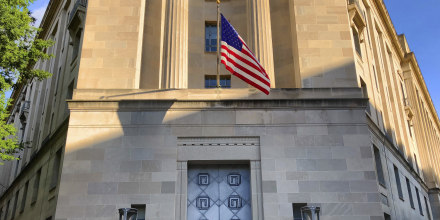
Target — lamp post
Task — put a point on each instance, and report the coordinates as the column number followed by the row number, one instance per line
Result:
column 310, row 212
column 127, row 214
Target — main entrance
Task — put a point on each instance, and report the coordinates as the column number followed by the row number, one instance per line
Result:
column 219, row 192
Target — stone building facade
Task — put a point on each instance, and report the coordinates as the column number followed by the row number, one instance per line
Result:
column 127, row 119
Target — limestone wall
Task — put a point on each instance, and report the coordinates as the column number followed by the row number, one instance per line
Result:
column 128, row 152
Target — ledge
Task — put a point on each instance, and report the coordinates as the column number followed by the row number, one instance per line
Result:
column 215, row 94
column 145, row 100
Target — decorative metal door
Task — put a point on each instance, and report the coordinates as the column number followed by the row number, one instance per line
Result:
column 219, row 192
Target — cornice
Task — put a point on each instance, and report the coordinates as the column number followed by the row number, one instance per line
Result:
column 213, row 99
column 51, row 10
column 412, row 60
column 405, row 57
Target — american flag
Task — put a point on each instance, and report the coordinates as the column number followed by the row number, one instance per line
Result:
column 239, row 60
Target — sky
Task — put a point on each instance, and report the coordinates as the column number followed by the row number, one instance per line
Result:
column 38, row 8
column 418, row 20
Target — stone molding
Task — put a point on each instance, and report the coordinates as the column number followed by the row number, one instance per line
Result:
column 218, row 141
column 166, row 105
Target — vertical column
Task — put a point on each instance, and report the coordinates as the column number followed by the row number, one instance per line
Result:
column 260, row 35
column 175, row 56
column 181, row 190
column 257, row 190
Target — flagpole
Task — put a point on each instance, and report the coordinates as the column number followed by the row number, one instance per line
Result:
column 218, row 44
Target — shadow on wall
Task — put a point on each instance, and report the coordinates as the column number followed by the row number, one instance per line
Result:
column 110, row 147
column 329, row 74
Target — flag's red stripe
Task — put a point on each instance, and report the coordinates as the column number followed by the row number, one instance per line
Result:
column 253, row 57
column 241, row 58
column 250, row 73
column 245, row 79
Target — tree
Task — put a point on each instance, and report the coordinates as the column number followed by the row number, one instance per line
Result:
column 20, row 50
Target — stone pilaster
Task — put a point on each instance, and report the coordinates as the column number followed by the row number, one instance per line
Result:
column 260, row 35
column 175, row 55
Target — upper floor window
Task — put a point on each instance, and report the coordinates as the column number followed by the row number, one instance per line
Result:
column 56, row 169
column 76, row 44
column 427, row 209
column 379, row 168
column 357, row 44
column 365, row 93
column 211, row 81
column 408, row 187
column 404, row 98
column 399, row 186
column 418, row 201
column 210, row 37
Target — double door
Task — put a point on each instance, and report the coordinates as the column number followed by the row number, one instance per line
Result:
column 219, row 192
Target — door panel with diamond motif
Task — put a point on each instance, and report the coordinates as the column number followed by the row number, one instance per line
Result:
column 219, row 192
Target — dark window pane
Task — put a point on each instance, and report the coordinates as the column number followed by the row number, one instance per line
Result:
column 418, row 201
column 399, row 186
column 297, row 210
column 357, row 44
column 210, row 37
column 379, row 168
column 211, row 81
column 427, row 209
column 141, row 211
column 408, row 187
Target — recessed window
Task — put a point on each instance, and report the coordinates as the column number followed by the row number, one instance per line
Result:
column 23, row 199
column 409, row 127
column 387, row 217
column 7, row 209
column 14, row 208
column 408, row 186
column 427, row 209
column 399, row 186
column 402, row 87
column 210, row 37
column 418, row 201
column 56, row 169
column 416, row 163
column 76, row 44
column 379, row 168
column 365, row 93
column 36, row 186
column 211, row 81
column 357, row 44
column 297, row 210
column 140, row 211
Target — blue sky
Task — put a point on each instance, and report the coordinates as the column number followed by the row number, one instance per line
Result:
column 418, row 20
column 38, row 8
